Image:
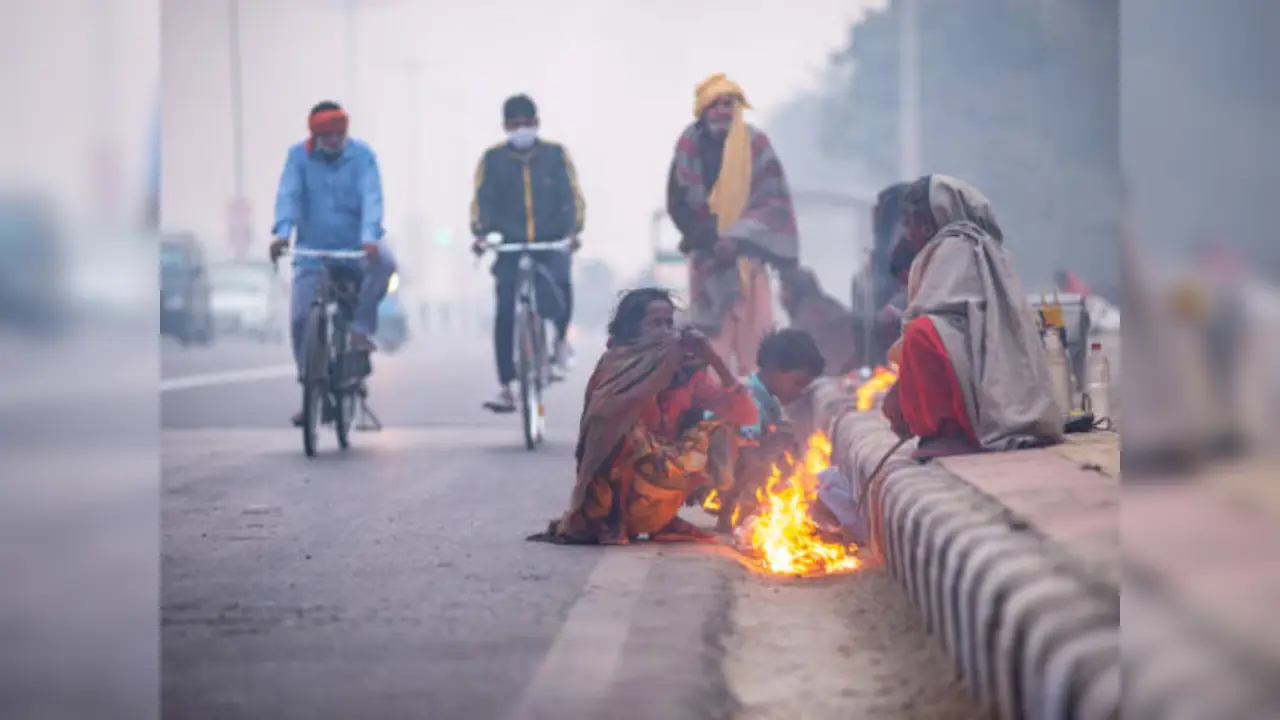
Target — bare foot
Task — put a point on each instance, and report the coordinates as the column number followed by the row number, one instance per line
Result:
column 614, row 537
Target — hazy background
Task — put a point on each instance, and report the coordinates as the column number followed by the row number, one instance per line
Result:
column 1036, row 101
column 613, row 79
column 79, row 80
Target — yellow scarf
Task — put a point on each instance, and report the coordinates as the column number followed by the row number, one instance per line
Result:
column 733, row 186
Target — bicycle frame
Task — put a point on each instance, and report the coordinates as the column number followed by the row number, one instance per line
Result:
column 329, row 386
column 529, row 330
column 526, row 274
column 527, row 270
column 333, row 296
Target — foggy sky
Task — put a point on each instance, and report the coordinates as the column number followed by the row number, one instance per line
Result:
column 78, row 74
column 613, row 79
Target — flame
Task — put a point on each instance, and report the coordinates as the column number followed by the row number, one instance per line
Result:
column 711, row 502
column 782, row 534
column 872, row 388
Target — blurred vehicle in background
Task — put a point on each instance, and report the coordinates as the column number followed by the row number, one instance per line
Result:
column 393, row 319
column 250, row 299
column 185, row 307
column 111, row 279
column 33, row 267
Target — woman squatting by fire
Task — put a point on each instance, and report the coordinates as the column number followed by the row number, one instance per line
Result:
column 663, row 421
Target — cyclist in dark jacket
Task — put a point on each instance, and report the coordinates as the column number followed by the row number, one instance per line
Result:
column 527, row 191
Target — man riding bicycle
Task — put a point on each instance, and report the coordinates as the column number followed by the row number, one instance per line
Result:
column 331, row 194
column 527, row 191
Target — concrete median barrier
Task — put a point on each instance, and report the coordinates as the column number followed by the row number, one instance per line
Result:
column 1013, row 561
column 1032, row 628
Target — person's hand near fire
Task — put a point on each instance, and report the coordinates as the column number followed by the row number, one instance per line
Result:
column 891, row 405
column 894, row 355
column 696, row 345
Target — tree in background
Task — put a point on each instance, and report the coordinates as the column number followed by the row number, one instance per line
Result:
column 1019, row 97
column 1200, row 110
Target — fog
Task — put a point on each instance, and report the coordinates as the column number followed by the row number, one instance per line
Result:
column 1200, row 107
column 79, row 83
column 613, row 79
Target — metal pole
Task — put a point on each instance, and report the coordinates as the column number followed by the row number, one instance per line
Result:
column 869, row 309
column 105, row 163
column 350, row 13
column 237, row 99
column 909, row 89
column 415, row 245
column 412, row 73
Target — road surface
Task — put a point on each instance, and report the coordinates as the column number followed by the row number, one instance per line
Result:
column 393, row 580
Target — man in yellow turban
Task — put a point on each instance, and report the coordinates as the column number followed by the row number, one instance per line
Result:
column 728, row 196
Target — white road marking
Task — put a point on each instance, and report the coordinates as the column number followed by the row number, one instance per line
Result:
column 576, row 675
column 187, row 382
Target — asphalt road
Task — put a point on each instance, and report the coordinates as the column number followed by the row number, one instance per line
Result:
column 393, row 580
column 79, row 519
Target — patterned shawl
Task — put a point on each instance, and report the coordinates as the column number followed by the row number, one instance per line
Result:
column 625, row 377
column 766, row 228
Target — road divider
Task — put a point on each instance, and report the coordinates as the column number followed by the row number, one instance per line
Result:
column 1033, row 630
column 1014, row 562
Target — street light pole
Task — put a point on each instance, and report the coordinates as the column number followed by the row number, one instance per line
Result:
column 413, row 148
column 239, row 215
column 908, row 90
column 237, row 98
column 350, row 17
column 105, row 166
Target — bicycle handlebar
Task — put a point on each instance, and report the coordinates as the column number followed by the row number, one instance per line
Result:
column 327, row 254
column 549, row 246
column 330, row 254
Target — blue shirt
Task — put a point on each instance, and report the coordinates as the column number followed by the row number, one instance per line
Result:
column 768, row 409
column 333, row 204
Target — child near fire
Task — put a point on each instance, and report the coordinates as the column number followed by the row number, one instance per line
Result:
column 788, row 361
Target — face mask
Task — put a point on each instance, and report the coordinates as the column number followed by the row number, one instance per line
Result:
column 522, row 138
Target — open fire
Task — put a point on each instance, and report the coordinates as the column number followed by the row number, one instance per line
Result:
column 781, row 535
column 871, row 390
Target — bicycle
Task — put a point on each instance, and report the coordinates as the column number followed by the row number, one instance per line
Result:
column 332, row 378
column 532, row 366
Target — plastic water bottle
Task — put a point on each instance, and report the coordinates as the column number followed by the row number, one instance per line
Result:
column 1098, row 383
column 1059, row 370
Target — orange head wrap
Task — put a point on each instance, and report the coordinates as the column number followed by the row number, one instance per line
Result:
column 325, row 122
column 328, row 121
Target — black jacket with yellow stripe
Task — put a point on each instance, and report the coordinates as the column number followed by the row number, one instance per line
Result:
column 527, row 196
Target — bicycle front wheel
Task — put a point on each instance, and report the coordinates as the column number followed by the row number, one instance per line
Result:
column 315, row 379
column 343, row 396
column 531, row 378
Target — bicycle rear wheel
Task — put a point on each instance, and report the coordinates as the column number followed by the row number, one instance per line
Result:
column 315, row 379
column 343, row 396
column 531, row 378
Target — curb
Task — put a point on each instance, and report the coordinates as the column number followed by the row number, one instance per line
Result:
column 1032, row 634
